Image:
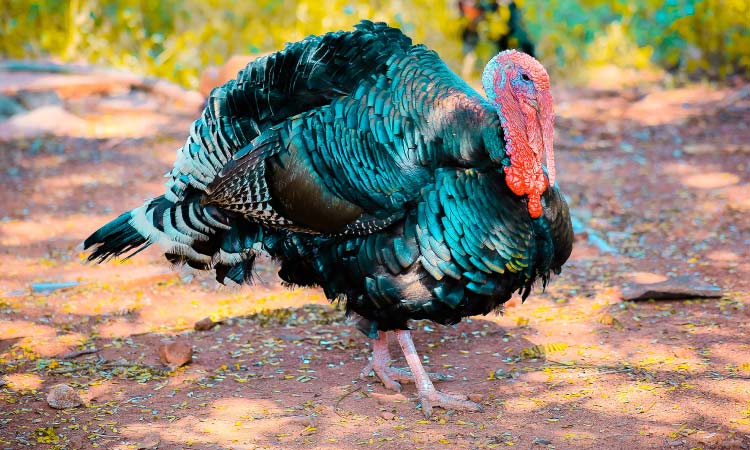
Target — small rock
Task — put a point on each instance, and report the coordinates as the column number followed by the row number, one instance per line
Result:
column 541, row 441
column 733, row 444
column 304, row 421
column 62, row 396
column 204, row 324
column 290, row 337
column 176, row 354
column 501, row 373
column 149, row 442
column 475, row 397
column 387, row 415
column 677, row 288
column 386, row 399
column 77, row 441
column 720, row 441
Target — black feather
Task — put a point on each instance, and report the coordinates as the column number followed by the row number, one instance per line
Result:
column 114, row 239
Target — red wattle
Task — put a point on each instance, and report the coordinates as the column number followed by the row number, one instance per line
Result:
column 527, row 184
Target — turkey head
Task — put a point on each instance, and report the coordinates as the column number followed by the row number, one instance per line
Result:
column 519, row 88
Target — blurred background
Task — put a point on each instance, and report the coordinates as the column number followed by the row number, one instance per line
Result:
column 652, row 143
column 674, row 40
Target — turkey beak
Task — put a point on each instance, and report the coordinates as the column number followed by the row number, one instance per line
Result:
column 547, row 119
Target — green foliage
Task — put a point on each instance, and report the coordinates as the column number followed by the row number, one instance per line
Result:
column 689, row 37
column 176, row 39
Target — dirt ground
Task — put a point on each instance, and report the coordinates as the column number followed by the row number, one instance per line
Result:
column 659, row 181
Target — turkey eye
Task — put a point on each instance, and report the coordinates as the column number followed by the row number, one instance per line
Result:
column 525, row 77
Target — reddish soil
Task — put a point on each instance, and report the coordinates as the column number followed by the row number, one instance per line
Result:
column 663, row 179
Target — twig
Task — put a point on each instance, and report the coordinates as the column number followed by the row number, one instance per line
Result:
column 69, row 370
column 624, row 370
column 343, row 396
column 106, row 436
column 649, row 408
column 77, row 353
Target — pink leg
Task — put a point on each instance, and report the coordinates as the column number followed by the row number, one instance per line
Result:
column 380, row 364
column 429, row 396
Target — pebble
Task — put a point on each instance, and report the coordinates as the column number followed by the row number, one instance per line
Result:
column 176, row 354
column 204, row 324
column 385, row 399
column 733, row 444
column 62, row 396
column 677, row 288
column 387, row 415
column 475, row 397
column 149, row 442
column 304, row 421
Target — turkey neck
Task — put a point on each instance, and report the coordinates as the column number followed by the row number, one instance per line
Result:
column 524, row 143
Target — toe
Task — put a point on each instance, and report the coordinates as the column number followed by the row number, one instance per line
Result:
column 392, row 385
column 447, row 401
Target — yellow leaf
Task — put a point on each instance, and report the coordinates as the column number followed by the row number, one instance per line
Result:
column 609, row 319
column 539, row 351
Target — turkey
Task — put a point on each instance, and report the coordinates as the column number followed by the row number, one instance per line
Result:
column 362, row 164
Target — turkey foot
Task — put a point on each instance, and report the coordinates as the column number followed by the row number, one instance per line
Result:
column 429, row 396
column 381, row 358
column 391, row 377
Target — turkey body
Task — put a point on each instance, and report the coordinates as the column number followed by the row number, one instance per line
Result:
column 363, row 165
column 464, row 247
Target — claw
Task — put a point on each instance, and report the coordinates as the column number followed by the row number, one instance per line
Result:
column 390, row 377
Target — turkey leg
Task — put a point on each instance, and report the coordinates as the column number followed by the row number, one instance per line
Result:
column 380, row 364
column 430, row 396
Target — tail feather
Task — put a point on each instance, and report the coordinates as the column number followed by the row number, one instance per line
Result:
column 114, row 239
column 203, row 238
column 154, row 220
